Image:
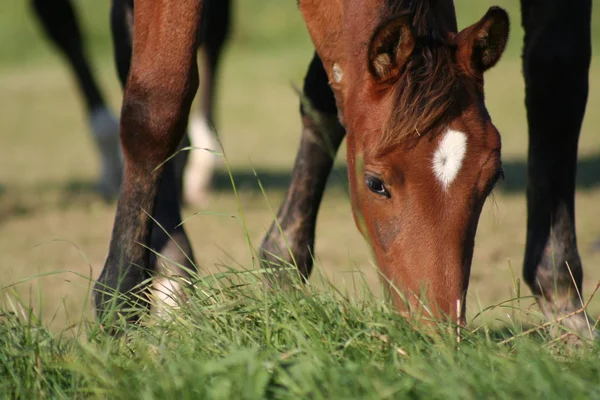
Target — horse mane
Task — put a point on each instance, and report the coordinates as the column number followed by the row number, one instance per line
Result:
column 429, row 86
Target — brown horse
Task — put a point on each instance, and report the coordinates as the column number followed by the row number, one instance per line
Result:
column 404, row 86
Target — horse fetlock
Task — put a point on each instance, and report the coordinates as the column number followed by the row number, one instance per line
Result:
column 559, row 269
column 288, row 255
column 568, row 312
column 176, row 256
column 557, row 284
column 119, row 288
column 167, row 294
column 173, row 265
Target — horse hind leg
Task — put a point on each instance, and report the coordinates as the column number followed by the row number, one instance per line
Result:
column 161, row 83
column 201, row 161
column 59, row 21
column 556, row 64
column 291, row 237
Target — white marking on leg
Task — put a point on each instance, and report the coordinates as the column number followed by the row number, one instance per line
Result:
column 166, row 291
column 201, row 163
column 449, row 156
column 167, row 295
column 105, row 129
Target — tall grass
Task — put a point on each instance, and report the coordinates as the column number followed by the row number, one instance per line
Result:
column 231, row 340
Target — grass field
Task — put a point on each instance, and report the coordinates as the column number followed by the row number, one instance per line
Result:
column 54, row 232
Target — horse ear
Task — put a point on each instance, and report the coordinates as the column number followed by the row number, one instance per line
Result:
column 391, row 46
column 482, row 43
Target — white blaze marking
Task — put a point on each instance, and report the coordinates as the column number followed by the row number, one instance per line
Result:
column 449, row 156
column 338, row 74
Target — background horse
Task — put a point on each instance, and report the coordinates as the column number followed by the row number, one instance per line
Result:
column 556, row 62
column 59, row 21
column 60, row 24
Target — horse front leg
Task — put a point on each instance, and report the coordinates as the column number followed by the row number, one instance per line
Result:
column 60, row 24
column 291, row 237
column 161, row 84
column 556, row 61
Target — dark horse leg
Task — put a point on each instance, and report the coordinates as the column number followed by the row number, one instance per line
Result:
column 201, row 163
column 322, row 135
column 59, row 21
column 161, row 83
column 556, row 61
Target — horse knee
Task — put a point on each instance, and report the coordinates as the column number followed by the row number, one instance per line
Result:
column 154, row 115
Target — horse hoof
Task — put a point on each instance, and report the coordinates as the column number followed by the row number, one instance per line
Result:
column 281, row 266
column 571, row 321
column 276, row 272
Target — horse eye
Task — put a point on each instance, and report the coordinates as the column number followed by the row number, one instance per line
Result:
column 376, row 186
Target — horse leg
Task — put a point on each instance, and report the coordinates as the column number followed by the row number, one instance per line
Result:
column 121, row 18
column 556, row 61
column 161, row 84
column 170, row 241
column 201, row 163
column 58, row 19
column 291, row 238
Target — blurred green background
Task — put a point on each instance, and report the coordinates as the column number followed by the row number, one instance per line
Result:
column 52, row 221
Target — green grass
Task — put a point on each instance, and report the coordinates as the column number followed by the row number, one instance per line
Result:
column 233, row 341
column 54, row 233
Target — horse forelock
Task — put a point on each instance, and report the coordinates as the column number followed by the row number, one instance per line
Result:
column 428, row 89
column 424, row 96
